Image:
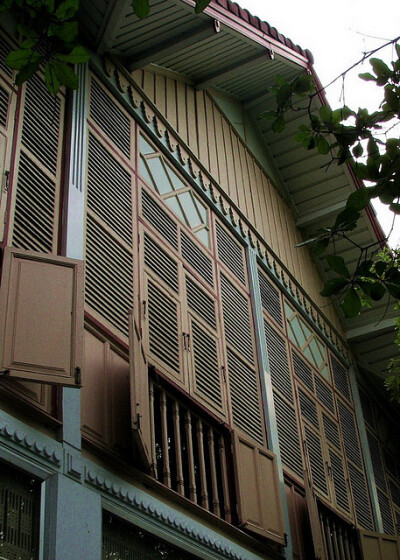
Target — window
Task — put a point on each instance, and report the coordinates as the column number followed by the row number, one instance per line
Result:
column 19, row 514
column 122, row 541
column 174, row 191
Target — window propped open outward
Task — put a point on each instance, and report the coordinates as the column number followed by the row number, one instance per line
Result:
column 41, row 317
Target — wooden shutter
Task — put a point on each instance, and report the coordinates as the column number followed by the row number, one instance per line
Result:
column 376, row 546
column 259, row 501
column 316, row 529
column 230, row 253
column 139, row 384
column 36, row 196
column 270, row 298
column 41, row 310
column 7, row 113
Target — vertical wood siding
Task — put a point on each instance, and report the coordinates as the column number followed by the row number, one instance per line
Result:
column 206, row 130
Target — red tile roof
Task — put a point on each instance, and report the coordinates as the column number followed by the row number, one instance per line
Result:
column 262, row 26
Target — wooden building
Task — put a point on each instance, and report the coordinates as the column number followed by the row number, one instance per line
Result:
column 172, row 383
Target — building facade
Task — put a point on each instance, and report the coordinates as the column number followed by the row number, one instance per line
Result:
column 172, row 383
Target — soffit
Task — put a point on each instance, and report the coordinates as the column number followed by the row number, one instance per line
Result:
column 240, row 55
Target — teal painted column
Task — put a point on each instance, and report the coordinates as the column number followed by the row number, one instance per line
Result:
column 266, row 388
column 73, row 521
column 74, row 228
column 376, row 512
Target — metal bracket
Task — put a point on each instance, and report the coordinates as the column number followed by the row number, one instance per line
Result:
column 4, row 373
column 78, row 376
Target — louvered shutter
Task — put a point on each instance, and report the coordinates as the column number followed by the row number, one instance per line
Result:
column 7, row 113
column 270, row 298
column 259, row 502
column 230, row 253
column 41, row 311
column 139, row 386
column 316, row 529
column 37, row 185
column 203, row 349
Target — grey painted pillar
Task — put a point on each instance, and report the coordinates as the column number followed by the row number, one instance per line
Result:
column 74, row 221
column 266, row 388
column 73, row 519
column 376, row 512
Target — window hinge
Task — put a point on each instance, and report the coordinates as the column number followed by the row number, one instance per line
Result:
column 138, row 422
column 78, row 376
column 7, row 180
column 223, row 373
column 286, row 538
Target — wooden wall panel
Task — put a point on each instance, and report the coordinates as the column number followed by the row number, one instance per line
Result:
column 203, row 126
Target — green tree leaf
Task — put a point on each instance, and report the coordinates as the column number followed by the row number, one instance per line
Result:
column 67, row 9
column 21, row 57
column 78, row 55
column 141, row 8
column 359, row 199
column 51, row 80
column 367, row 77
column 279, row 124
column 338, row 265
column 334, row 286
column 352, row 303
column 27, row 71
column 66, row 75
column 201, row 5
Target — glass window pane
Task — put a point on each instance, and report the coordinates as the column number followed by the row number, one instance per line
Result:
column 318, row 359
column 306, row 331
column 202, row 210
column 144, row 146
column 175, row 180
column 160, row 175
column 190, row 210
column 202, row 234
column 175, row 206
column 298, row 331
column 325, row 372
column 292, row 335
column 308, row 354
column 145, row 173
column 288, row 311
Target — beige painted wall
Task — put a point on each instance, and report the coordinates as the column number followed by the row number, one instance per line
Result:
column 214, row 140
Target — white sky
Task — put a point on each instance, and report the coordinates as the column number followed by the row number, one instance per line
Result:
column 338, row 33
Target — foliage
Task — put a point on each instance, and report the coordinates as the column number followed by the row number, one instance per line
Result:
column 363, row 141
column 49, row 31
column 353, row 138
column 49, row 39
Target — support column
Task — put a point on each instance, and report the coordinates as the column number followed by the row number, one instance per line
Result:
column 74, row 228
column 376, row 512
column 266, row 388
column 73, row 519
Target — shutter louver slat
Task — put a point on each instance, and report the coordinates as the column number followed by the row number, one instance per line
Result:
column 197, row 259
column 289, row 441
column 236, row 319
column 34, row 208
column 339, row 481
column 245, row 398
column 109, row 190
column 41, row 120
column 206, row 365
column 386, row 513
column 161, row 263
column 340, row 376
column 278, row 362
column 163, row 327
column 361, row 499
column 4, row 101
column 349, row 432
column 377, row 464
column 308, row 409
column 317, row 464
column 367, row 409
column 230, row 253
column 331, row 431
column 159, row 219
column 395, row 493
column 199, row 302
column 107, row 293
column 110, row 118
column 4, row 51
column 302, row 371
column 270, row 298
column 324, row 394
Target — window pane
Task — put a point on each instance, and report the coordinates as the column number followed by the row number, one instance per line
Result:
column 160, row 175
column 144, row 146
column 176, row 207
column 190, row 209
column 202, row 234
column 145, row 173
column 175, row 180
